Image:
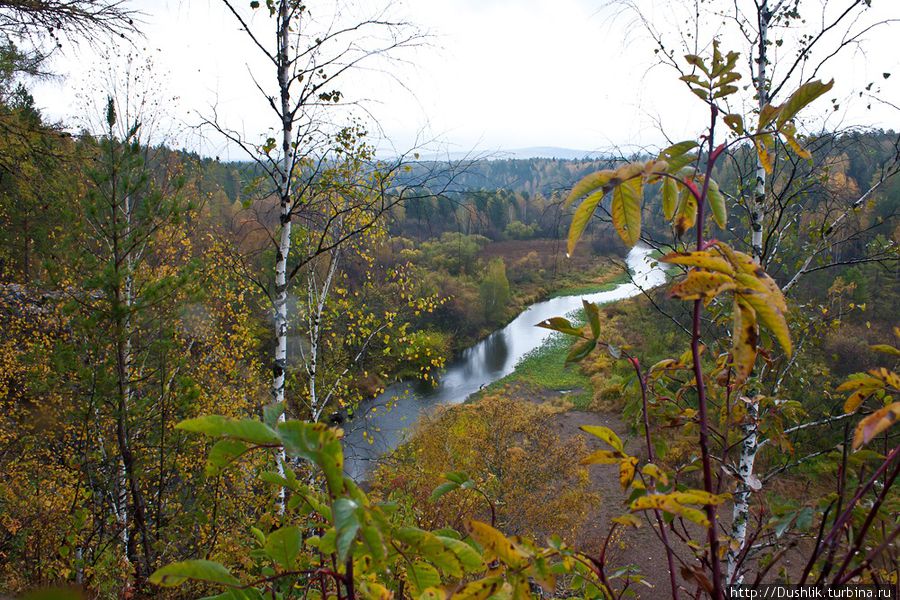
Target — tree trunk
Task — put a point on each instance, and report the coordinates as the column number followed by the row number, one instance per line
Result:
column 749, row 429
column 284, row 241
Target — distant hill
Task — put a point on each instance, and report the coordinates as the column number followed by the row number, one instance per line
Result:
column 549, row 152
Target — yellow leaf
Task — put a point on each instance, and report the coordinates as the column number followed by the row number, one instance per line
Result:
column 686, row 213
column 582, row 216
column 655, row 472
column 626, row 471
column 874, row 424
column 627, row 519
column 496, row 544
column 701, row 285
column 626, row 210
column 602, row 457
column 669, row 197
column 744, row 338
column 771, row 316
column 702, row 259
column 604, row 433
column 698, row 497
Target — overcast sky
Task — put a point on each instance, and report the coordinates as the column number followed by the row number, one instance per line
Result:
column 495, row 74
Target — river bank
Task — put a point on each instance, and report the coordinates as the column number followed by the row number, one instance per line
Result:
column 384, row 423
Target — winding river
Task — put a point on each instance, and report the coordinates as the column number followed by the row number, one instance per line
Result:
column 391, row 415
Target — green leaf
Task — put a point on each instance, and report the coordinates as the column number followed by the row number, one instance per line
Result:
column 470, row 560
column 196, row 570
column 283, row 545
column 222, row 454
column 676, row 150
column 319, row 444
column 422, row 576
column 444, row 488
column 561, row 325
column 271, row 413
column 717, row 204
column 669, row 197
column 735, row 123
column 885, row 349
column 374, row 541
column 247, row 430
column 582, row 216
column 590, row 184
column 592, row 312
column 581, row 350
column 804, row 95
column 459, row 477
column 626, row 210
column 346, row 524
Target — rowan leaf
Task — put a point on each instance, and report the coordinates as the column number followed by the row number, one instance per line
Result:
column 744, row 339
column 885, row 349
column 874, row 424
column 498, row 545
column 422, row 576
column 346, row 524
column 195, row 570
column 701, row 285
column 802, row 97
column 606, row 434
column 717, row 204
column 589, row 184
column 703, row 259
column 669, row 197
column 627, row 470
column 582, row 216
column 627, row 519
column 561, row 325
column 735, row 123
column 602, row 457
column 592, row 312
column 626, row 210
column 217, row 426
column 769, row 314
column 222, row 454
column 283, row 545
column 686, row 211
column 656, row 473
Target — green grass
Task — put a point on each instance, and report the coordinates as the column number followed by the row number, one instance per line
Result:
column 545, row 367
column 591, row 288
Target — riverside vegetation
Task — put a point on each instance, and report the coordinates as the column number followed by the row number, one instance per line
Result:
column 164, row 437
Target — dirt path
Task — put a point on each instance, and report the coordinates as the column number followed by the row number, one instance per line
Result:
column 639, row 547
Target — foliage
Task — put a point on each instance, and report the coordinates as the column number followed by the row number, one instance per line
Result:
column 509, row 449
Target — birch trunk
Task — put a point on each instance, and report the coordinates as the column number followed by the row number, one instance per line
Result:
column 750, row 445
column 284, row 240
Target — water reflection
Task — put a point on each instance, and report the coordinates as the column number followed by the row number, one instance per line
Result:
column 382, row 425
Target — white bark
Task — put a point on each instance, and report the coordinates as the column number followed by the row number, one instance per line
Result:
column 284, row 241
column 746, row 478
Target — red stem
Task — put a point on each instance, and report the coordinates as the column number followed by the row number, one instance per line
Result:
column 708, row 485
column 659, row 521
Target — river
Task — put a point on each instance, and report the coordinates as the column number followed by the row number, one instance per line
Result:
column 390, row 416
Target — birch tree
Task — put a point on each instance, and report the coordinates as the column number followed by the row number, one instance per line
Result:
column 320, row 205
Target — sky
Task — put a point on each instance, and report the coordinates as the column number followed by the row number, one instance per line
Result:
column 492, row 75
